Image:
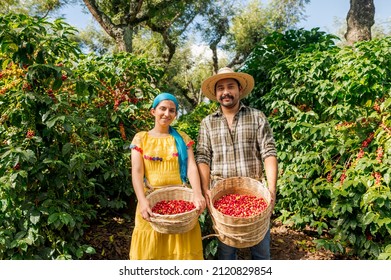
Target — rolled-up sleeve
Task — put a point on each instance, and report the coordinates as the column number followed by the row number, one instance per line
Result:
column 203, row 151
column 266, row 140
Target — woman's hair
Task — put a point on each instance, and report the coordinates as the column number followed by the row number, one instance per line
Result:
column 165, row 96
column 179, row 142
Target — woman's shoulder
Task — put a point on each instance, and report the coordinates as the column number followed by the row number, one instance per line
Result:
column 185, row 137
column 183, row 134
column 139, row 135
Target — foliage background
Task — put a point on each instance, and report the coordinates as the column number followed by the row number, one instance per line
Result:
column 65, row 124
column 330, row 111
column 67, row 119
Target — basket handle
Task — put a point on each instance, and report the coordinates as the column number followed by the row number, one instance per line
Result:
column 214, row 179
column 213, row 225
column 210, row 235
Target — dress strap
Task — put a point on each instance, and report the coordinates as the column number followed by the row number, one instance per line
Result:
column 149, row 188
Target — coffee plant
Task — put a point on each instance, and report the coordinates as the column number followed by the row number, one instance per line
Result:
column 66, row 120
column 330, row 112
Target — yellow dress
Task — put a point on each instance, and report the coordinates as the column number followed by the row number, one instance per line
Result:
column 161, row 168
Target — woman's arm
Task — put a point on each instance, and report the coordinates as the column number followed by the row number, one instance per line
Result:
column 195, row 182
column 138, row 184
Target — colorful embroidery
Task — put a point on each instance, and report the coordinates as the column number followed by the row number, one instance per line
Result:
column 153, row 158
column 138, row 149
column 175, row 154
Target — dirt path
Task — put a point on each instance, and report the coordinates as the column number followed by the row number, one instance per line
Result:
column 111, row 240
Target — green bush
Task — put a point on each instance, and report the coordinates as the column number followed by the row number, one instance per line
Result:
column 190, row 123
column 330, row 112
column 66, row 120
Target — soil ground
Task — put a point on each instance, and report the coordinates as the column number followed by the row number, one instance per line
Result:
column 111, row 239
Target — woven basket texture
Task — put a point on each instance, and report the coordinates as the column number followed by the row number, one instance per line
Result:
column 177, row 223
column 240, row 232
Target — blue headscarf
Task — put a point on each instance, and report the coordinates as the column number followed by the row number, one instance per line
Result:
column 180, row 143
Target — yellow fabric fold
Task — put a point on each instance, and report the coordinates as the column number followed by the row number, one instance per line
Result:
column 162, row 169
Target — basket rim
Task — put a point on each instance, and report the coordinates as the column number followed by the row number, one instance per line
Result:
column 226, row 226
column 173, row 188
column 170, row 188
column 266, row 212
column 179, row 215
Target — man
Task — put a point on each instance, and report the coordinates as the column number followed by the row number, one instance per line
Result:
column 236, row 140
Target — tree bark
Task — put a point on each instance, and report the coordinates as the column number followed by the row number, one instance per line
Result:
column 122, row 32
column 128, row 38
column 360, row 18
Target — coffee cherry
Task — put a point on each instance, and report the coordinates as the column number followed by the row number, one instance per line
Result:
column 171, row 207
column 238, row 205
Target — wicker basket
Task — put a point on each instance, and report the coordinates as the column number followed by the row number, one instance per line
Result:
column 177, row 223
column 240, row 232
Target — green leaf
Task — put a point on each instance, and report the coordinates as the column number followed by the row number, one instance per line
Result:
column 340, row 247
column 35, row 216
column 384, row 221
column 66, row 149
column 30, row 238
column 352, row 239
column 67, row 219
column 20, row 235
column 56, row 84
column 53, row 121
column 53, row 218
column 368, row 218
column 80, row 86
column 386, row 176
column 6, row 62
column 90, row 250
column 385, row 104
column 29, row 156
column 79, row 253
column 4, row 205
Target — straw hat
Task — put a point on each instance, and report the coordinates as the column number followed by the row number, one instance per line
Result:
column 209, row 85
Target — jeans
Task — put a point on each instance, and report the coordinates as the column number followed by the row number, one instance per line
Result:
column 260, row 251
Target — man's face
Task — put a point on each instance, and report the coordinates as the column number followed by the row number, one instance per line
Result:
column 228, row 92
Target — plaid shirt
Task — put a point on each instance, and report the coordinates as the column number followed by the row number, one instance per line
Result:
column 236, row 152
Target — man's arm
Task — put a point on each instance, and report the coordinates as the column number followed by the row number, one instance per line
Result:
column 271, row 170
column 204, row 171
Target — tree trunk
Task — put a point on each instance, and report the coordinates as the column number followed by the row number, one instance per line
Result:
column 359, row 20
column 128, row 38
column 215, row 59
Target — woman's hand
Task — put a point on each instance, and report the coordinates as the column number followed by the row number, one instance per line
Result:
column 199, row 202
column 145, row 210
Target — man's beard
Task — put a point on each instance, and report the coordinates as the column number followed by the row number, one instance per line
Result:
column 230, row 105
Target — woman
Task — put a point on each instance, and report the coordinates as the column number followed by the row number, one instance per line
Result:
column 162, row 157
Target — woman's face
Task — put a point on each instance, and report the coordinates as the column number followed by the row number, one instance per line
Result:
column 164, row 113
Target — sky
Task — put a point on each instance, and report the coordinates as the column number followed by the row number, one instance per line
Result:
column 320, row 13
